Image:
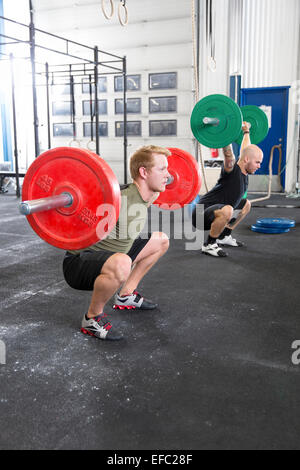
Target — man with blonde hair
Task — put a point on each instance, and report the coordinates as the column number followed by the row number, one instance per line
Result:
column 227, row 196
column 121, row 260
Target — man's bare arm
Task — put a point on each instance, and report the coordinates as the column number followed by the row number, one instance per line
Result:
column 246, row 139
column 240, row 216
column 229, row 159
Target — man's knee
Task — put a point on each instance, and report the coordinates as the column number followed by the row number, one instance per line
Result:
column 162, row 239
column 119, row 267
column 247, row 206
column 227, row 212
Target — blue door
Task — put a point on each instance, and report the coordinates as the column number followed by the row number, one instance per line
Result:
column 274, row 101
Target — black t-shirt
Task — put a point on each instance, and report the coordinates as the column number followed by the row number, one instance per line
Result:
column 229, row 189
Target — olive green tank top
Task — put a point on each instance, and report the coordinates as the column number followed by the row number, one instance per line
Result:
column 132, row 218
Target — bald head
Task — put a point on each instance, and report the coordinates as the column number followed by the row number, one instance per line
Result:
column 251, row 158
column 251, row 151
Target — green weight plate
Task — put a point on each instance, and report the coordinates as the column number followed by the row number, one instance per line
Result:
column 230, row 121
column 259, row 124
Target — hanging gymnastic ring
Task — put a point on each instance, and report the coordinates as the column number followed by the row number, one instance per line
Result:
column 111, row 9
column 92, row 148
column 77, row 143
column 123, row 4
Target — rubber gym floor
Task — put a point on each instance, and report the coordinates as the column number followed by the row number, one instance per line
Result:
column 210, row 369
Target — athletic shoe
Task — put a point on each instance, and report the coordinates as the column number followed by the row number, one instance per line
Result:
column 229, row 241
column 100, row 327
column 213, row 250
column 133, row 301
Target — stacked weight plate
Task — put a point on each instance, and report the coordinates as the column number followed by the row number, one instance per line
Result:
column 273, row 225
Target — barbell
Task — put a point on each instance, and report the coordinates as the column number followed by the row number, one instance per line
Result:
column 67, row 191
column 71, row 197
column 216, row 121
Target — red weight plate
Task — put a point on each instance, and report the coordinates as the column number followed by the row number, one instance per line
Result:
column 92, row 184
column 186, row 183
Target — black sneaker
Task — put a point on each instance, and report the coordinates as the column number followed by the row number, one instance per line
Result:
column 133, row 301
column 100, row 327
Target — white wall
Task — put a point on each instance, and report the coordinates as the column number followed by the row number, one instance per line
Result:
column 22, row 76
column 258, row 39
column 270, row 44
column 213, row 74
column 156, row 39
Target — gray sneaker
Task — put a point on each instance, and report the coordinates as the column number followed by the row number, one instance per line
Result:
column 100, row 327
column 133, row 301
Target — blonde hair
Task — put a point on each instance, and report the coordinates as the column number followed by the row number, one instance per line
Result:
column 143, row 157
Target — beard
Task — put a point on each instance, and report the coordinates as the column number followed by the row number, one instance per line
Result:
column 250, row 171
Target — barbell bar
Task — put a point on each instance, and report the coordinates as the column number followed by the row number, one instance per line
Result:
column 67, row 192
column 54, row 202
column 208, row 120
column 45, row 204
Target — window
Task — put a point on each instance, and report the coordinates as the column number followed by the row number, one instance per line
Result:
column 102, row 85
column 133, row 106
column 159, row 128
column 103, row 129
column 134, row 128
column 102, row 107
column 133, row 83
column 160, row 81
column 62, row 130
column 166, row 104
column 61, row 108
column 61, row 89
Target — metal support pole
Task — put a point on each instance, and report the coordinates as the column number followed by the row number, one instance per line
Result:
column 125, row 142
column 73, row 111
column 197, row 62
column 18, row 192
column 96, row 110
column 91, row 107
column 34, row 95
column 48, row 105
column 298, row 158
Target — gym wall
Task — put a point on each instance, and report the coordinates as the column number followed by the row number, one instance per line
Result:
column 270, row 57
column 160, row 44
column 257, row 39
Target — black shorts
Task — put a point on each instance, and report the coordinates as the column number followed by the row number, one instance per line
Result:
column 209, row 214
column 81, row 270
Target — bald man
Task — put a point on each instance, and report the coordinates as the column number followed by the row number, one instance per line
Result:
column 226, row 197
